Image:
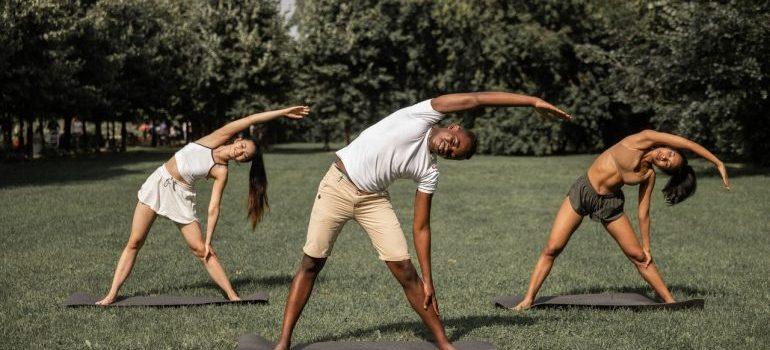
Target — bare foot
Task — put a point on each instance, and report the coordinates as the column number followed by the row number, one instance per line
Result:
column 235, row 298
column 523, row 305
column 446, row 346
column 109, row 299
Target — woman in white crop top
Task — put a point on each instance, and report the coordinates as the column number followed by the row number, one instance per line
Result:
column 168, row 192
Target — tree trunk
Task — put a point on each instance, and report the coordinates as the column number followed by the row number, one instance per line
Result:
column 97, row 133
column 113, row 146
column 66, row 136
column 30, row 131
column 8, row 130
column 21, row 133
column 123, row 135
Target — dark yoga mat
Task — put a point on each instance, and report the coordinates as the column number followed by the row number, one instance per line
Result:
column 632, row 301
column 255, row 342
column 83, row 299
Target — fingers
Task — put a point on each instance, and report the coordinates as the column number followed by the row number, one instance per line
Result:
column 435, row 306
column 425, row 302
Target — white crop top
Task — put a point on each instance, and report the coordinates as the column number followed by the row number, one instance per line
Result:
column 194, row 161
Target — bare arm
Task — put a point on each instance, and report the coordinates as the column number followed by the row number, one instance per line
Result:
column 229, row 130
column 645, row 196
column 219, row 173
column 649, row 138
column 421, row 233
column 465, row 101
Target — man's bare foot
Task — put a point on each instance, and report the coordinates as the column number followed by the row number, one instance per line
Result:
column 109, row 299
column 523, row 305
column 281, row 346
column 446, row 346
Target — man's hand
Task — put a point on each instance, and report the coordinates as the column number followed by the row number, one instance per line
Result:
column 430, row 297
column 549, row 111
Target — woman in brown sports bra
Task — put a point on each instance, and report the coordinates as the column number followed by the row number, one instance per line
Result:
column 598, row 194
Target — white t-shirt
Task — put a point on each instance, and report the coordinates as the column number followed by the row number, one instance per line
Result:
column 394, row 148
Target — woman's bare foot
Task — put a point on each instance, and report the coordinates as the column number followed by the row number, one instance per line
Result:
column 234, row 298
column 107, row 300
column 523, row 305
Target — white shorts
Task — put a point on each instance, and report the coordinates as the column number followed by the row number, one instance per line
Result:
column 168, row 197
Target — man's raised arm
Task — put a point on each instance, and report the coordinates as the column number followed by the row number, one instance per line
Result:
column 465, row 101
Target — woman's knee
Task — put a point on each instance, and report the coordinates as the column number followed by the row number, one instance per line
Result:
column 135, row 244
column 551, row 251
column 636, row 256
column 198, row 251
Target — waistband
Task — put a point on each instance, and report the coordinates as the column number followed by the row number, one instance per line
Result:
column 615, row 194
column 168, row 177
column 348, row 183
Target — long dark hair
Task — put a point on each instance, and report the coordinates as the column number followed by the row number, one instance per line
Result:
column 681, row 184
column 257, row 203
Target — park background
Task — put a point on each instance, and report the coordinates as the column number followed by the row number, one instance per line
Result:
column 94, row 89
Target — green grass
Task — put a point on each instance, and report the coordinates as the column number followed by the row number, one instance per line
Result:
column 63, row 224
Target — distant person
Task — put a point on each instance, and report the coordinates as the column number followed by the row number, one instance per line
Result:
column 598, row 194
column 78, row 130
column 168, row 192
column 402, row 145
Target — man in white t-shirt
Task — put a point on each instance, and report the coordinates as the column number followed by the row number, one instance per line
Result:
column 402, row 145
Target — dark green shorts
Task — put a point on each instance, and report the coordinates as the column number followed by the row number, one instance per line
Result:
column 603, row 208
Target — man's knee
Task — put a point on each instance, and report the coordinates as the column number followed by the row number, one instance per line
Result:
column 404, row 271
column 311, row 265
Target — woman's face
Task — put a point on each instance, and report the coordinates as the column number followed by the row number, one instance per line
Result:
column 666, row 159
column 242, row 150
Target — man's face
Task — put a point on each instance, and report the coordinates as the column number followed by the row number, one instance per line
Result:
column 452, row 142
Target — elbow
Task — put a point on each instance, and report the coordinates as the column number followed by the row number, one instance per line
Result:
column 471, row 101
column 644, row 217
column 213, row 212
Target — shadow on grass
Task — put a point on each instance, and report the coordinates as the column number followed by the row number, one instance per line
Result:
column 296, row 150
column 68, row 170
column 238, row 284
column 643, row 290
column 457, row 327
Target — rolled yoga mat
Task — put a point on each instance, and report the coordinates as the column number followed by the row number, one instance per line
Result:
column 83, row 299
column 255, row 342
column 632, row 301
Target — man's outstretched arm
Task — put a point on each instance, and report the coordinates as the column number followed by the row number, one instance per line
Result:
column 465, row 101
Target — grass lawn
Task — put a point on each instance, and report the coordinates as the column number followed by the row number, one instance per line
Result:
column 63, row 224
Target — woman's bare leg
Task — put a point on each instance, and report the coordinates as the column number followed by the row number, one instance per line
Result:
column 194, row 236
column 623, row 233
column 140, row 226
column 566, row 222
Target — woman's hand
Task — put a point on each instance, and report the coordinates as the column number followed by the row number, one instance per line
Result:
column 296, row 112
column 647, row 258
column 208, row 252
column 549, row 111
column 723, row 172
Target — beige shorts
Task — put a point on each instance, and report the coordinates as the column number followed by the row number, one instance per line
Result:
column 338, row 201
column 168, row 197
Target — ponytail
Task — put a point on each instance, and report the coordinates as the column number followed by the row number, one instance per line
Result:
column 257, row 203
column 681, row 184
